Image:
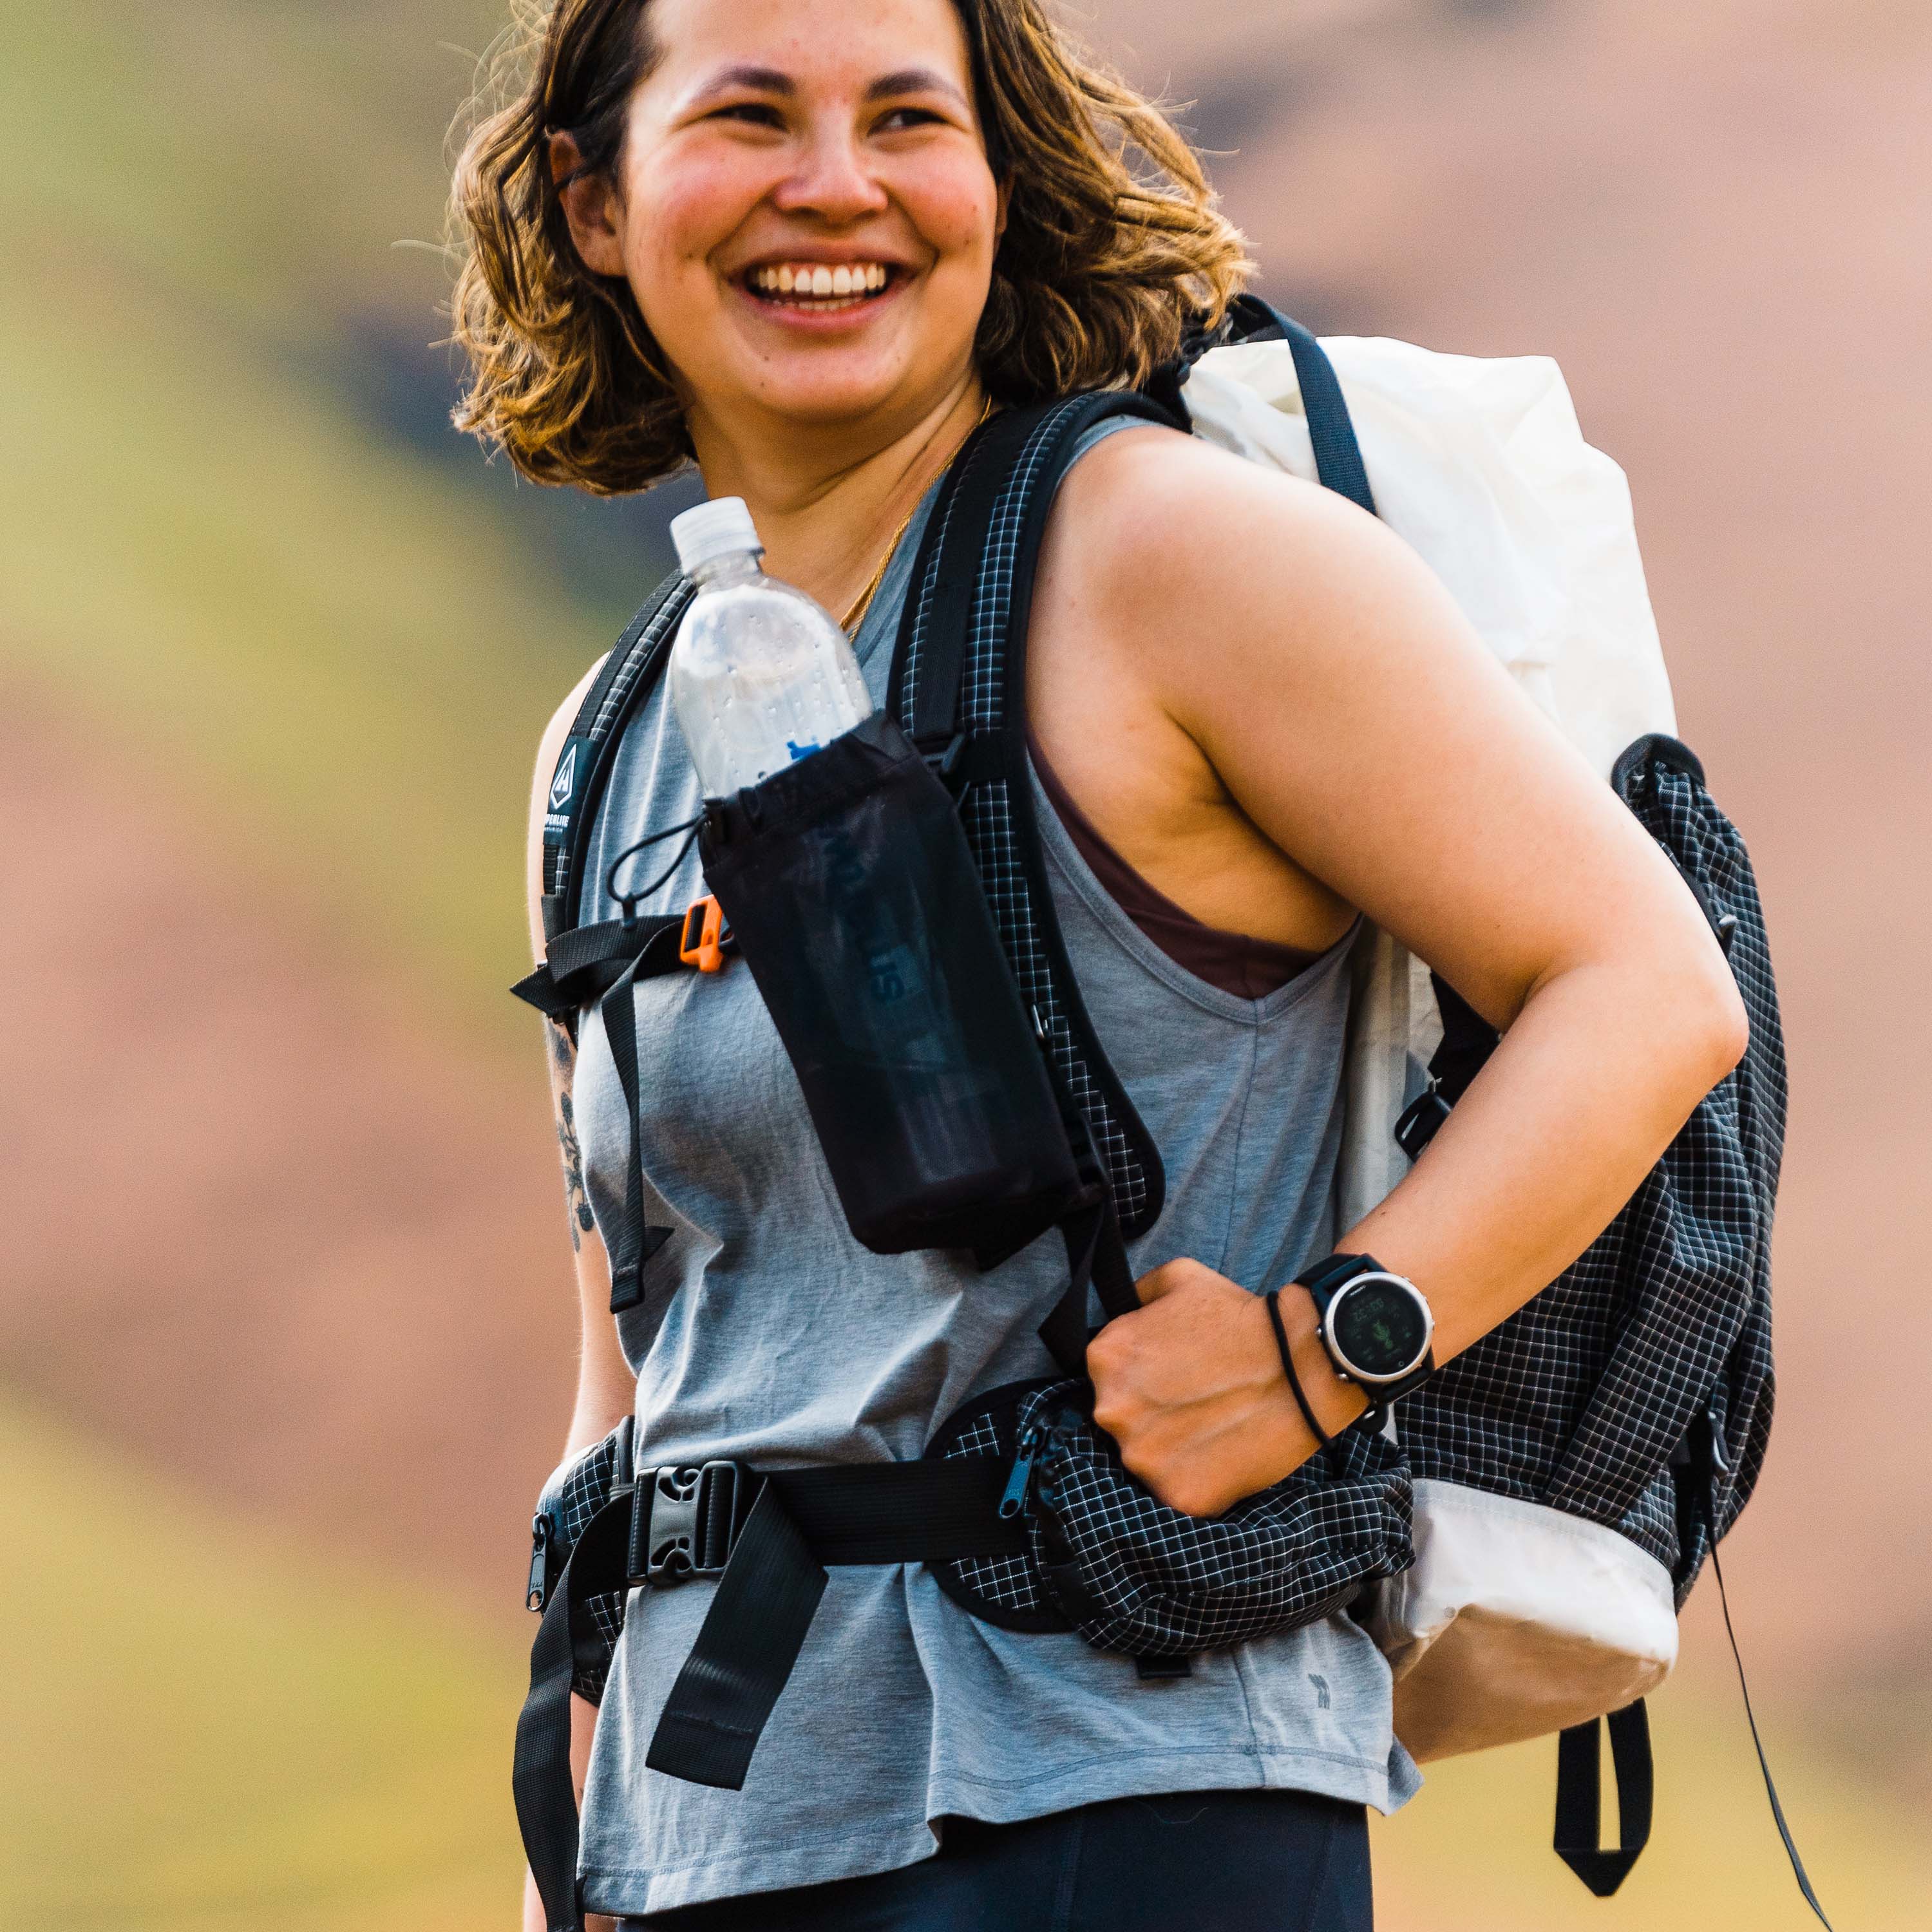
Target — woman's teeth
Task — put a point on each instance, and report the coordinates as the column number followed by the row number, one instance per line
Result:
column 818, row 285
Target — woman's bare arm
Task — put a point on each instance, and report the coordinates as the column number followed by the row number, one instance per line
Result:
column 606, row 1389
column 1355, row 718
column 605, row 1386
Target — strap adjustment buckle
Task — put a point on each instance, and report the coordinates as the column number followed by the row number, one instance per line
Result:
column 684, row 1519
column 1420, row 1120
column 706, row 934
column 944, row 755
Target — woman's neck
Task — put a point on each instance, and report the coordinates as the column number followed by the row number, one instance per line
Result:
column 826, row 506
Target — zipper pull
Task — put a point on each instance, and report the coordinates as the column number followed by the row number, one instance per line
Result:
column 1014, row 1499
column 539, row 1589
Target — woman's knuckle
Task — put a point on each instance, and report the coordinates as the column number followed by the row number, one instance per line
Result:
column 1193, row 1497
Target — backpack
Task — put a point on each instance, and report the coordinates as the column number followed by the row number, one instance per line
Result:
column 1574, row 1468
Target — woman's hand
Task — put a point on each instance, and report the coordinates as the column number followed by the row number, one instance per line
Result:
column 1192, row 1389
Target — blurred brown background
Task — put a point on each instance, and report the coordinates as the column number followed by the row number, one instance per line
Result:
column 286, row 1326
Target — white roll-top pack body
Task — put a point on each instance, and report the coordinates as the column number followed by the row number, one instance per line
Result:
column 1516, row 1619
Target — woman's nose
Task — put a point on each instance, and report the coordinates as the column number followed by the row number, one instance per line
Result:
column 832, row 180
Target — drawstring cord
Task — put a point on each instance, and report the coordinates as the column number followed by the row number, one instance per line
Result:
column 628, row 901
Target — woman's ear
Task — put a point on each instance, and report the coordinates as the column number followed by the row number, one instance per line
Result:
column 590, row 205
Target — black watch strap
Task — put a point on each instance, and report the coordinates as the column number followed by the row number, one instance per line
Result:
column 1324, row 1281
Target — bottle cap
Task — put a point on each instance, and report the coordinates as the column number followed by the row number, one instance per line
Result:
column 713, row 530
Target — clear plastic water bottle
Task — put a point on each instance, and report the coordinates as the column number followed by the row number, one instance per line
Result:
column 761, row 675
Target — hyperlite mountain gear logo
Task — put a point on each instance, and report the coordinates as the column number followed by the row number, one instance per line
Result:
column 565, row 781
column 563, row 789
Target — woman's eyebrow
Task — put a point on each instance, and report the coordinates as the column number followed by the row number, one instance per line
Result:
column 761, row 79
column 772, row 80
column 915, row 80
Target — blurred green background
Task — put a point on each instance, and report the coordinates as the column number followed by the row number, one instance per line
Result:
column 285, row 1328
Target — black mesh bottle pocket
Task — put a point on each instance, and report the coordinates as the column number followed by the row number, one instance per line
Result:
column 853, row 898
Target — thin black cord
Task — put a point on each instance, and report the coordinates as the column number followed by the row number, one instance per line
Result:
column 628, row 901
column 1301, row 1401
column 1750, row 1717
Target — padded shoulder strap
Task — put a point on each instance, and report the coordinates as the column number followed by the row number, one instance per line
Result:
column 958, row 689
column 993, row 501
column 630, row 673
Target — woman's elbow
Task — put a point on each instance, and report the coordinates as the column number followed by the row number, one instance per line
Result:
column 1716, row 1028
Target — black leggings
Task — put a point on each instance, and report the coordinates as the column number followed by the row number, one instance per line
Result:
column 1191, row 1861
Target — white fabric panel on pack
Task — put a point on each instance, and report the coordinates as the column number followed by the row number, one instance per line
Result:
column 1517, row 1620
column 1478, row 463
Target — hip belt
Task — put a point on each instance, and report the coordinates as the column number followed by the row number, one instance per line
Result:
column 766, row 1536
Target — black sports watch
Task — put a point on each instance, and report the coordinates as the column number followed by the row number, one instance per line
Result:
column 1375, row 1326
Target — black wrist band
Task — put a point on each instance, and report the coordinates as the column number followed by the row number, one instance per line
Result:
column 1301, row 1401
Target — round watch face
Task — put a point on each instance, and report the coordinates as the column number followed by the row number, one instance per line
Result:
column 1381, row 1327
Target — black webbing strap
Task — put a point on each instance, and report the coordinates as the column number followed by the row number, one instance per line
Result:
column 1338, row 455
column 749, row 1640
column 583, row 963
column 1579, row 1796
column 1467, row 1040
column 1096, row 1253
column 959, row 524
column 1003, row 489
column 541, row 1778
column 1097, row 1258
column 1579, row 1825
column 632, row 1243
column 801, row 1520
column 926, row 1512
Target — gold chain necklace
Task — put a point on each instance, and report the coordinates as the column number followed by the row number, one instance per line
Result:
column 855, row 616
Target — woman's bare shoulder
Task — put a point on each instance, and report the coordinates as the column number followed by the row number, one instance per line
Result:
column 1165, row 532
column 549, row 748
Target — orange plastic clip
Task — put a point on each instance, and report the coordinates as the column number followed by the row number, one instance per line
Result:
column 702, row 942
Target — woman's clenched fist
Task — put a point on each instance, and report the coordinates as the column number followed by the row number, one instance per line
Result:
column 1190, row 1386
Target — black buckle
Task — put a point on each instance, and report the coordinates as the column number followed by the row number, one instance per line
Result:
column 685, row 1518
column 1419, row 1121
column 945, row 757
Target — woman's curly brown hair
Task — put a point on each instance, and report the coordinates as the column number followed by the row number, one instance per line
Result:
column 1113, row 244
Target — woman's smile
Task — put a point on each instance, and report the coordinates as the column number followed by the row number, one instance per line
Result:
column 804, row 290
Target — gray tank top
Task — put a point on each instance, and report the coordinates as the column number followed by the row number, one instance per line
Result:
column 767, row 1334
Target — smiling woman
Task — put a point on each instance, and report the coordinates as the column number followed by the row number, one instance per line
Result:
column 814, row 245
column 1086, row 277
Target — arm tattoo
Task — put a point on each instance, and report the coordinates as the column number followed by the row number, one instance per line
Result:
column 575, row 1197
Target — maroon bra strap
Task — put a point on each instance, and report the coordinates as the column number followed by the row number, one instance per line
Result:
column 1249, row 968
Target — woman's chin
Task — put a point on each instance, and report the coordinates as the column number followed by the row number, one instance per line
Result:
column 828, row 388
column 820, row 370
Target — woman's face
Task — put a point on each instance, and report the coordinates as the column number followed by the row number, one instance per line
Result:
column 806, row 215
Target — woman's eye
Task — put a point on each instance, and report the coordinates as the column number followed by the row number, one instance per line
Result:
column 906, row 117
column 754, row 113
